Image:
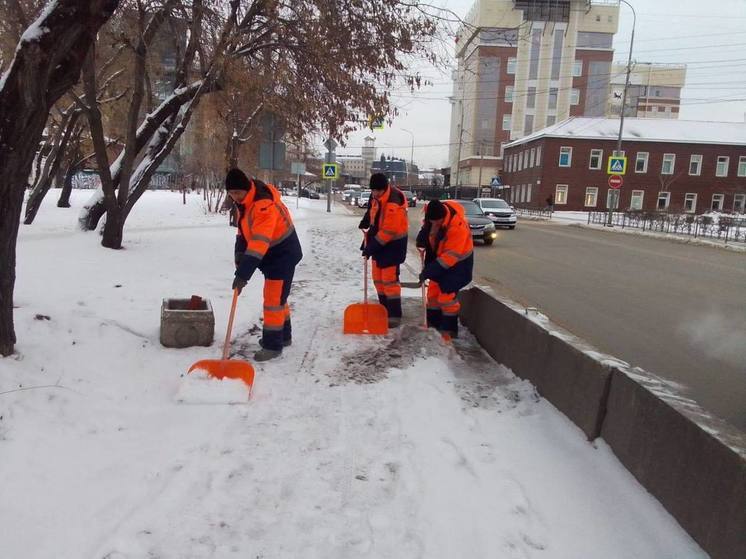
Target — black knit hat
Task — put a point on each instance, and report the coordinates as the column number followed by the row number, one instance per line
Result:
column 236, row 179
column 378, row 181
column 435, row 210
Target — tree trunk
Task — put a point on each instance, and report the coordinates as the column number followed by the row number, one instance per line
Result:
column 46, row 64
column 113, row 230
column 67, row 186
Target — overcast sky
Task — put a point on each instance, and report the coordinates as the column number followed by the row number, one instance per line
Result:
column 710, row 37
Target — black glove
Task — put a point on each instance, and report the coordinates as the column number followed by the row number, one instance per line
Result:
column 422, row 277
column 238, row 283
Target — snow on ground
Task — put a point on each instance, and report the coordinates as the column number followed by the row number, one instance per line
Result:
column 390, row 447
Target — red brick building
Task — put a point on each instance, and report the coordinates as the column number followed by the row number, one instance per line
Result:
column 672, row 165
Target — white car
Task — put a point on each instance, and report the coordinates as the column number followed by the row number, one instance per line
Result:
column 363, row 199
column 499, row 211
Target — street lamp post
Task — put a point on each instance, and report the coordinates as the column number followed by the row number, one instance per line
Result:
column 614, row 202
column 411, row 154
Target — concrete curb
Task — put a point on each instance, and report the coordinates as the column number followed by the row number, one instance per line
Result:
column 692, row 462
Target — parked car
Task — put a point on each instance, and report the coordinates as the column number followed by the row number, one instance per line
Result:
column 499, row 211
column 312, row 194
column 411, row 198
column 481, row 226
column 363, row 199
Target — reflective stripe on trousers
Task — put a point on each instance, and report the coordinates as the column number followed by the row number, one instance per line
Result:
column 276, row 312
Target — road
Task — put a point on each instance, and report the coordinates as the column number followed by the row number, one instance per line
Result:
column 676, row 310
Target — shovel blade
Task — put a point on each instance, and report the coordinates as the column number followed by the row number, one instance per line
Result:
column 366, row 318
column 226, row 368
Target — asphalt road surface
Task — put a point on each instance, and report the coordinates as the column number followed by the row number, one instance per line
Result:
column 676, row 310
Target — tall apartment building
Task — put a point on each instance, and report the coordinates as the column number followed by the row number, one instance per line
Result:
column 523, row 65
column 654, row 90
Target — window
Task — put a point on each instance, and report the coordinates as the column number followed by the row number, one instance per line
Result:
column 591, row 196
column 565, row 157
column 538, row 155
column 532, row 157
column 722, row 167
column 528, row 193
column 508, row 161
column 508, row 93
column 528, row 124
column 635, row 202
column 612, row 199
column 695, row 165
column 669, row 160
column 553, row 91
column 690, row 202
column 654, row 109
column 577, row 68
column 574, row 96
column 739, row 203
column 664, row 198
column 717, row 202
column 507, row 121
column 511, row 66
column 742, row 166
column 641, row 163
column 520, row 162
column 551, row 119
column 597, row 157
column 525, row 159
column 531, row 98
column 560, row 194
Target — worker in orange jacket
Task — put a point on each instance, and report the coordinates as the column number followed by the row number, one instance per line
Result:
column 266, row 240
column 386, row 242
column 446, row 238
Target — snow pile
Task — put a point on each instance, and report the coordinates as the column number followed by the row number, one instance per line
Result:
column 396, row 446
column 200, row 388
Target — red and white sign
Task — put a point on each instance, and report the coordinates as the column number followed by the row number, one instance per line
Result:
column 616, row 181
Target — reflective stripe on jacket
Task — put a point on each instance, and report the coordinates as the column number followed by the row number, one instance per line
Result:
column 266, row 236
column 389, row 227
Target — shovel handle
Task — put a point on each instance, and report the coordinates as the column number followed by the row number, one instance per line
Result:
column 424, row 291
column 227, row 343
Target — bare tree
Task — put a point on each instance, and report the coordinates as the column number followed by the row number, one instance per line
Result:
column 285, row 43
column 46, row 64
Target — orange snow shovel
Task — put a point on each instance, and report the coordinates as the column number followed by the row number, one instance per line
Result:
column 228, row 368
column 365, row 317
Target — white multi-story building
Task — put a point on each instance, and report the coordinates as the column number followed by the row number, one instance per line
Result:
column 524, row 65
column 654, row 90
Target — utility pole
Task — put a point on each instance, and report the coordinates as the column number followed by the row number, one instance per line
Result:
column 614, row 202
column 481, row 160
column 458, row 157
column 330, row 145
column 411, row 154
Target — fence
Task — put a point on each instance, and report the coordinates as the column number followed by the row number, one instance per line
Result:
column 545, row 213
column 724, row 228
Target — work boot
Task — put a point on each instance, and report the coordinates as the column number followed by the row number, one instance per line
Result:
column 285, row 343
column 394, row 321
column 265, row 354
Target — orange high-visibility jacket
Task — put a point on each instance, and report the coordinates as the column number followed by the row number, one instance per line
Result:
column 266, row 236
column 389, row 227
column 449, row 251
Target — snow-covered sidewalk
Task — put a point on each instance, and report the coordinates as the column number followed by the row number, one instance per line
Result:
column 390, row 447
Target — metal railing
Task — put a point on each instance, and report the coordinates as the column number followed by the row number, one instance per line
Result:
column 545, row 212
column 724, row 228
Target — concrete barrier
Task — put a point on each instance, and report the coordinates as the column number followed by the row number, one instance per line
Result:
column 693, row 463
column 564, row 373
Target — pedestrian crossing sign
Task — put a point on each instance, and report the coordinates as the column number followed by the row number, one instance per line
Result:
column 617, row 165
column 330, row 171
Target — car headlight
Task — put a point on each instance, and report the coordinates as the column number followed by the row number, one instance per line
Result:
column 489, row 227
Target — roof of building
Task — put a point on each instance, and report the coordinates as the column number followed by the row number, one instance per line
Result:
column 644, row 129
